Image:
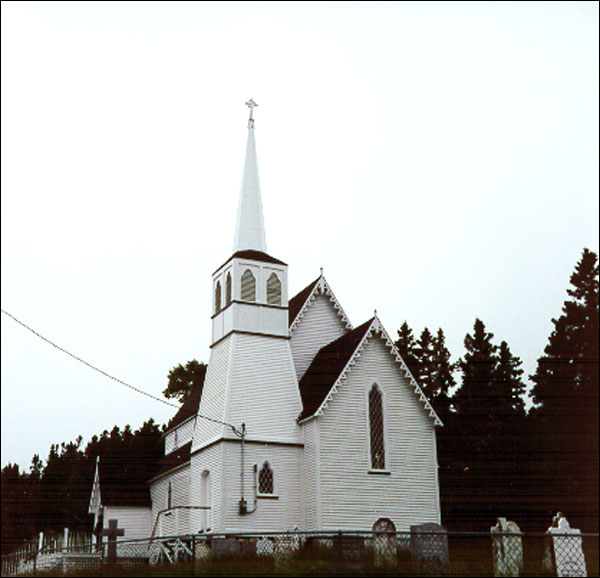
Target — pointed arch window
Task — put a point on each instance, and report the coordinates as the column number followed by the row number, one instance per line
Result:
column 169, row 495
column 265, row 479
column 376, row 430
column 273, row 290
column 228, row 290
column 218, row 297
column 248, row 286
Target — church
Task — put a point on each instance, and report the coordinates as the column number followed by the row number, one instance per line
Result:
column 304, row 422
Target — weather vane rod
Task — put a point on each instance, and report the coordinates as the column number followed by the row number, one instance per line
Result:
column 252, row 105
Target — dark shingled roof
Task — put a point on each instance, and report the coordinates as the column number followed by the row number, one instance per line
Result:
column 174, row 459
column 124, row 482
column 188, row 409
column 296, row 302
column 326, row 368
column 254, row 255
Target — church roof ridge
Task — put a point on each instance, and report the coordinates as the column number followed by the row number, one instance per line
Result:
column 298, row 304
column 330, row 366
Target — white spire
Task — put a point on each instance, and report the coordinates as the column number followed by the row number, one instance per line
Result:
column 250, row 228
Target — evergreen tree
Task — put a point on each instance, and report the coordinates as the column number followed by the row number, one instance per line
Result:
column 474, row 399
column 407, row 347
column 508, row 388
column 426, row 369
column 565, row 419
column 443, row 379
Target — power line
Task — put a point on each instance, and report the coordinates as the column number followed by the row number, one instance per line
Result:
column 107, row 374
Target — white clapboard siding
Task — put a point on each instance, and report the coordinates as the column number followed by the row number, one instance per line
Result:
column 309, row 474
column 319, row 325
column 350, row 497
column 263, row 391
column 272, row 514
column 159, row 492
column 212, row 403
column 207, row 460
column 185, row 433
column 137, row 522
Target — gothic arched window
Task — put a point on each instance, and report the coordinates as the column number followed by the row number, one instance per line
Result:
column 265, row 479
column 376, row 428
column 169, row 495
column 228, row 290
column 273, row 290
column 248, row 286
column 218, row 297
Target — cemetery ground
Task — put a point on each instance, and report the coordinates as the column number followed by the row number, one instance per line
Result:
column 469, row 555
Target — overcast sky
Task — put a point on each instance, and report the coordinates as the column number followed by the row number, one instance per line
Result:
column 440, row 161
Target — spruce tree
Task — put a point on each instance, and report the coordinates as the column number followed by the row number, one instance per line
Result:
column 474, row 399
column 508, row 387
column 565, row 420
column 407, row 347
column 426, row 369
column 443, row 379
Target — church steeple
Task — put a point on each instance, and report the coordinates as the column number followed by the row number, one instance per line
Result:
column 250, row 228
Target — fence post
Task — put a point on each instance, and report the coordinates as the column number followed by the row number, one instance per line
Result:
column 193, row 549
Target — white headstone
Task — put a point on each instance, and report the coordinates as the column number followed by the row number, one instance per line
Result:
column 564, row 551
column 507, row 549
column 265, row 547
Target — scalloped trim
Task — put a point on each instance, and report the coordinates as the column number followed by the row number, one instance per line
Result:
column 322, row 288
column 377, row 327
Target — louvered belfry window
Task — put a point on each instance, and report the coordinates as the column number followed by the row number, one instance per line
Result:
column 248, row 286
column 376, row 428
column 218, row 297
column 273, row 290
column 228, row 290
column 265, row 479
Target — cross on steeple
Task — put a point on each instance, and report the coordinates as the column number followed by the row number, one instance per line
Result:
column 252, row 105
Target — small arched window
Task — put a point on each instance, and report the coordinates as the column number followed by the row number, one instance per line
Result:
column 228, row 290
column 218, row 297
column 376, row 428
column 248, row 286
column 273, row 290
column 265, row 479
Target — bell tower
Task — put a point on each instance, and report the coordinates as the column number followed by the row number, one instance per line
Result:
column 250, row 288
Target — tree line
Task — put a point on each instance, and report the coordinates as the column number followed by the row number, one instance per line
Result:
column 495, row 458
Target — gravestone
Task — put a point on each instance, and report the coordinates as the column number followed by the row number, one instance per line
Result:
column 507, row 549
column 564, row 550
column 429, row 547
column 265, row 547
column 384, row 541
column 111, row 533
column 223, row 547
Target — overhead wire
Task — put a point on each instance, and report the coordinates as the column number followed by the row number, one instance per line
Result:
column 136, row 389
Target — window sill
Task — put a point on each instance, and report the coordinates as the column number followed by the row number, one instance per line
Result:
column 267, row 497
column 380, row 472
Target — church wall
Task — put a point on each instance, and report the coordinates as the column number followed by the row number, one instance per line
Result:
column 272, row 514
column 319, row 326
column 351, row 498
column 185, row 433
column 137, row 522
column 175, row 522
column 213, row 394
column 208, row 460
column 263, row 391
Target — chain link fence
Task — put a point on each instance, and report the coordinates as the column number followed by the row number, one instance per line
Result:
column 322, row 553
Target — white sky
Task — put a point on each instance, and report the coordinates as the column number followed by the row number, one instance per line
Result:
column 440, row 161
